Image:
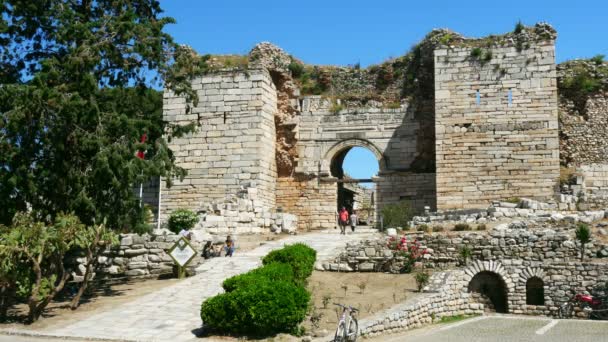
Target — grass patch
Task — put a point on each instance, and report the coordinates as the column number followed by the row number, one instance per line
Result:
column 455, row 318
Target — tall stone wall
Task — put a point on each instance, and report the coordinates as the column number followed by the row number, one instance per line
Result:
column 489, row 147
column 233, row 145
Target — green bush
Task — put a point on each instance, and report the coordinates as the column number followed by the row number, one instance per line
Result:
column 263, row 309
column 397, row 214
column 273, row 272
column 299, row 256
column 182, row 219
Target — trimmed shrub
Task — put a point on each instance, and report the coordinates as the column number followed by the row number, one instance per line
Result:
column 272, row 272
column 299, row 256
column 182, row 219
column 265, row 308
column 265, row 301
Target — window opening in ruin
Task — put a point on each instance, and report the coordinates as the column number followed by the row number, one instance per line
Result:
column 510, row 97
column 489, row 286
column 477, row 98
column 535, row 291
column 225, row 117
column 355, row 167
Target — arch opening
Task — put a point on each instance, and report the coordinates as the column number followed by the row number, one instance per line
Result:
column 535, row 291
column 354, row 167
column 493, row 287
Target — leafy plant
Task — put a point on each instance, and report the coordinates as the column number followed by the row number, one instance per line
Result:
column 476, row 52
column 344, row 288
column 336, row 107
column 514, row 200
column 438, row 228
column 519, row 27
column 482, row 226
column 583, row 235
column 423, row 228
column 597, row 59
column 32, row 258
column 92, row 240
column 410, row 251
column 326, row 299
column 462, row 227
column 296, row 68
column 182, row 219
column 315, row 318
column 362, row 286
column 422, row 279
column 465, row 254
column 397, row 214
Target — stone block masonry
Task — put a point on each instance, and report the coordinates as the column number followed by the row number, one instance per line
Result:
column 234, row 142
column 496, row 125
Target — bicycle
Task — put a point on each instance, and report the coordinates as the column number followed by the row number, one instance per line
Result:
column 594, row 307
column 348, row 326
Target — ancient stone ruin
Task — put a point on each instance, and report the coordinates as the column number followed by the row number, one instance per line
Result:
column 455, row 124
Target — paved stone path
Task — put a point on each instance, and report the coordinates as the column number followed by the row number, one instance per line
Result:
column 172, row 313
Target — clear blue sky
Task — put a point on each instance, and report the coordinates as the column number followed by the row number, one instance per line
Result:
column 369, row 32
column 346, row 32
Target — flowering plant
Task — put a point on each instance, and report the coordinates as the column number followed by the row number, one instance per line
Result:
column 411, row 251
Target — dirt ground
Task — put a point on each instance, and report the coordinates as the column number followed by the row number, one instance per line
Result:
column 58, row 313
column 368, row 292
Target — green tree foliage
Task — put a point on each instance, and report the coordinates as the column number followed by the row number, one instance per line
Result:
column 77, row 83
column 583, row 235
column 397, row 214
column 32, row 258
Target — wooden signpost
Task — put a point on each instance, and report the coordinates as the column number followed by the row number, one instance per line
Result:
column 182, row 254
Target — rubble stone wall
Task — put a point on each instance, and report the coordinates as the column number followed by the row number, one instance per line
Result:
column 489, row 147
column 234, row 142
column 584, row 138
column 140, row 256
column 447, row 293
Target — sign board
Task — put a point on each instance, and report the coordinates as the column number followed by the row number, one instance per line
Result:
column 182, row 253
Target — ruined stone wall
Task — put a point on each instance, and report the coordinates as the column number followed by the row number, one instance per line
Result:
column 495, row 149
column 233, row 145
column 584, row 138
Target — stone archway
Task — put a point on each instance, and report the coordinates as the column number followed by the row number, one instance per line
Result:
column 337, row 152
column 489, row 278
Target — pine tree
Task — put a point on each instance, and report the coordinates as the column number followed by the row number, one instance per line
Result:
column 77, row 91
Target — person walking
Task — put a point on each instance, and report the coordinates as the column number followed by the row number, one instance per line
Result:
column 343, row 220
column 353, row 220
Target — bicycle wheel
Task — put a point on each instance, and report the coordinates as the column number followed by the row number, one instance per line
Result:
column 340, row 332
column 565, row 310
column 601, row 312
column 353, row 330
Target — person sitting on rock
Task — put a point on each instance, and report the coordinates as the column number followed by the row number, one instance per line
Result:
column 208, row 251
column 229, row 246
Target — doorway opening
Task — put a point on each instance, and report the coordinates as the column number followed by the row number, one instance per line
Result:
column 493, row 287
column 355, row 167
